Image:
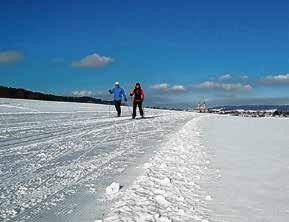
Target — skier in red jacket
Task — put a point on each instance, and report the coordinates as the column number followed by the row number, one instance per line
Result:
column 138, row 94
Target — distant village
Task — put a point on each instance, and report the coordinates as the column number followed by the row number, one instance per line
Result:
column 203, row 108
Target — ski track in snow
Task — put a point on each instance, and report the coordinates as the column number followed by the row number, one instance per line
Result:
column 58, row 152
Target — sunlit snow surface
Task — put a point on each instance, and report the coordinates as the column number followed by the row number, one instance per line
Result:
column 78, row 162
column 249, row 179
column 57, row 159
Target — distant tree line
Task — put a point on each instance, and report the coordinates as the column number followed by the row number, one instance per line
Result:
column 9, row 92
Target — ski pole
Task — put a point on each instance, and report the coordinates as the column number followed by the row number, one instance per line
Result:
column 128, row 107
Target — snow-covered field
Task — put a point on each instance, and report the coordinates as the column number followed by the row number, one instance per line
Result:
column 250, row 168
column 78, row 162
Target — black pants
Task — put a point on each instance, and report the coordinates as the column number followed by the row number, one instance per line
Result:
column 117, row 106
column 135, row 104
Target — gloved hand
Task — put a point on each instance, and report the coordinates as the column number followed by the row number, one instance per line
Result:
column 125, row 99
column 130, row 94
column 110, row 91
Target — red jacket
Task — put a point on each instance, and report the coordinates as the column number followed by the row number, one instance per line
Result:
column 138, row 94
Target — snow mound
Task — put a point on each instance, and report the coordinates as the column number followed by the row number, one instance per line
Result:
column 147, row 165
column 208, row 198
column 112, row 189
column 162, row 201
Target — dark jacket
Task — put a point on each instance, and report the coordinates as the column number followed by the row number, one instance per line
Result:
column 138, row 94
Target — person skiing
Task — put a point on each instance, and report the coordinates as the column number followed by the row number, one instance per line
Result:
column 118, row 93
column 138, row 94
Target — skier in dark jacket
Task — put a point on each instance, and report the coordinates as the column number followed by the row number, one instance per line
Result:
column 138, row 94
column 118, row 93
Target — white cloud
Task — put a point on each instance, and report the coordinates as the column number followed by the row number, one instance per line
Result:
column 103, row 95
column 165, row 88
column 178, row 88
column 97, row 94
column 10, row 56
column 276, row 79
column 82, row 93
column 225, row 77
column 93, row 61
column 244, row 77
column 223, row 86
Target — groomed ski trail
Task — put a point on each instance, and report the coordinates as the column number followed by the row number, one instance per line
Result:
column 56, row 162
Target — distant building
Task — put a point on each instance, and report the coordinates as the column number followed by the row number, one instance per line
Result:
column 201, row 107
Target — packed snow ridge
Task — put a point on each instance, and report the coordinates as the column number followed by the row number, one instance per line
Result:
column 170, row 187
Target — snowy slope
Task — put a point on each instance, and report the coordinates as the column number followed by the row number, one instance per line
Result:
column 57, row 159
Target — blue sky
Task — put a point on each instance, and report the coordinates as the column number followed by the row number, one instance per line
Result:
column 181, row 51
